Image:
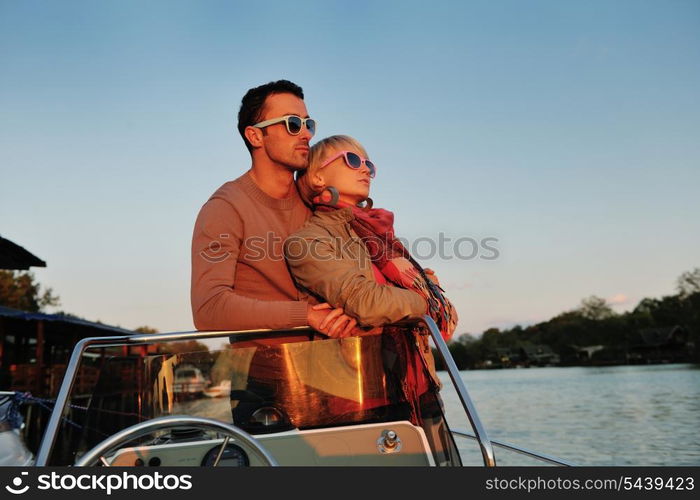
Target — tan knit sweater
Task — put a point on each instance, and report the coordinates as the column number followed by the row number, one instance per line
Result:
column 240, row 279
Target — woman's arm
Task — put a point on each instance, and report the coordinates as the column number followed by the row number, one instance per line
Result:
column 320, row 267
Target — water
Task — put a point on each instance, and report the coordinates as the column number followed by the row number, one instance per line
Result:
column 622, row 415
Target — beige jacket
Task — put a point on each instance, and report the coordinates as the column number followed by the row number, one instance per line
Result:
column 329, row 260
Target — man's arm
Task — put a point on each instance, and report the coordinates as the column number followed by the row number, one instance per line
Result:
column 216, row 245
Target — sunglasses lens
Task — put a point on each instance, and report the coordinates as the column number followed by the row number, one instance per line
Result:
column 353, row 160
column 311, row 125
column 294, row 125
column 372, row 169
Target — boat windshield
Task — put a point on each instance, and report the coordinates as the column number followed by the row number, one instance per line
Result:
column 260, row 384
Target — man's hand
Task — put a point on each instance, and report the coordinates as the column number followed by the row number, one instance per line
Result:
column 332, row 322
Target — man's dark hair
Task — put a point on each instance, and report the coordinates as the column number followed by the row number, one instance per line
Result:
column 253, row 101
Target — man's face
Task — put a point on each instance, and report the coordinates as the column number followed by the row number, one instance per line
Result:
column 279, row 145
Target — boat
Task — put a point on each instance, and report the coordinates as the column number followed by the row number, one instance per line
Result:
column 294, row 397
column 220, row 390
column 188, row 379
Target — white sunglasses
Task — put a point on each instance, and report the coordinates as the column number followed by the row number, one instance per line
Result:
column 293, row 123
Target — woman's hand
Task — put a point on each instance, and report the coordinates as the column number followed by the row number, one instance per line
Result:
column 339, row 325
column 330, row 321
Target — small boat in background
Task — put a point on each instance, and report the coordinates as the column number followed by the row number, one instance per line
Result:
column 222, row 389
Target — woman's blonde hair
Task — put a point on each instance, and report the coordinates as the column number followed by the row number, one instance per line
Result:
column 318, row 154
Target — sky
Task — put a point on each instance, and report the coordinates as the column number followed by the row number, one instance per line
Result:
column 564, row 135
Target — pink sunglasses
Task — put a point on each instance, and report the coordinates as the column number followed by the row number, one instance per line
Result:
column 354, row 161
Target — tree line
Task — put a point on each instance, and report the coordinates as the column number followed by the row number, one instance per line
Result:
column 593, row 323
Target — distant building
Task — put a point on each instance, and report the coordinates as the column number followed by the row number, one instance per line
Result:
column 660, row 345
column 524, row 355
column 585, row 353
column 15, row 257
column 538, row 355
column 505, row 357
column 35, row 347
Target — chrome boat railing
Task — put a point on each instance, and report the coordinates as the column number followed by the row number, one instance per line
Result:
column 479, row 430
column 517, row 449
column 485, row 443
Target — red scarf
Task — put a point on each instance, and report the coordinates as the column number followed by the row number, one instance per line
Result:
column 375, row 227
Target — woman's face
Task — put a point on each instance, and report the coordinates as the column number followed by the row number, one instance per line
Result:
column 352, row 184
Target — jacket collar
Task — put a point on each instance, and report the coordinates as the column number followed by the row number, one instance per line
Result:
column 338, row 216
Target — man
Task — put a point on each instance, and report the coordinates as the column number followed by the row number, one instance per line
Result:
column 240, row 279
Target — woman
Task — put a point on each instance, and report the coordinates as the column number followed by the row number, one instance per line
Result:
column 347, row 255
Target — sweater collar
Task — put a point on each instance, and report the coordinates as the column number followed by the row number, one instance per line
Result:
column 253, row 190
